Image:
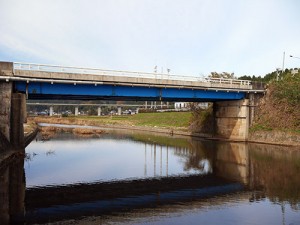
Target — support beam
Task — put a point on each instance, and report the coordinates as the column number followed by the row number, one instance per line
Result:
column 119, row 111
column 76, row 110
column 17, row 119
column 51, row 111
column 5, row 107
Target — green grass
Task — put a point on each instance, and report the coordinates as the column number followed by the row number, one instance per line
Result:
column 260, row 127
column 165, row 119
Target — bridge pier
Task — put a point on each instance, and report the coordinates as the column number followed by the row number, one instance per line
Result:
column 5, row 108
column 18, row 111
column 76, row 110
column 119, row 111
column 51, row 111
column 231, row 119
column 99, row 111
column 6, row 88
column 12, row 112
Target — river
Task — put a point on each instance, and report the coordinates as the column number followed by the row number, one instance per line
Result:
column 134, row 177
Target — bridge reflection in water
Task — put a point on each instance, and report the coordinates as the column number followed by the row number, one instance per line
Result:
column 227, row 171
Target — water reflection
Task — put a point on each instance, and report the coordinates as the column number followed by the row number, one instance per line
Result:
column 134, row 177
column 67, row 159
column 12, row 188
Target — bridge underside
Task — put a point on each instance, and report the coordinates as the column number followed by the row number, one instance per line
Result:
column 39, row 90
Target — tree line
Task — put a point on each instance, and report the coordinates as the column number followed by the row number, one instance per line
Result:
column 265, row 79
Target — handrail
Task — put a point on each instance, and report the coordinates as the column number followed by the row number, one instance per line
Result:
column 97, row 71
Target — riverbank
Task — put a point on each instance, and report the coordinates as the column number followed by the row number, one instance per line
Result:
column 140, row 124
column 168, row 120
column 275, row 137
column 171, row 123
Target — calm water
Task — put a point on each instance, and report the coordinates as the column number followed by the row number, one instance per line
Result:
column 132, row 177
column 67, row 159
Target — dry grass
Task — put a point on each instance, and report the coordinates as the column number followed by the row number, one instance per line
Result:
column 29, row 126
column 172, row 120
column 85, row 131
column 49, row 132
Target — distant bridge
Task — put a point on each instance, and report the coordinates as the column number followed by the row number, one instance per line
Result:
column 100, row 105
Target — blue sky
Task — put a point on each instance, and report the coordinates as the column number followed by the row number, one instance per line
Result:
column 190, row 37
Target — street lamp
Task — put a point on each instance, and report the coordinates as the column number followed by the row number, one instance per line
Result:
column 294, row 57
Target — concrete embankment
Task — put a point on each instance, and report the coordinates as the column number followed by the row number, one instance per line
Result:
column 275, row 138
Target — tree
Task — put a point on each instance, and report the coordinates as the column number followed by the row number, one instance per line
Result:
column 224, row 75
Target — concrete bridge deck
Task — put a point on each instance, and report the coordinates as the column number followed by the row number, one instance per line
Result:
column 29, row 72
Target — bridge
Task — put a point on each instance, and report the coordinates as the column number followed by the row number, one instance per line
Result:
column 234, row 100
column 52, row 82
column 101, row 105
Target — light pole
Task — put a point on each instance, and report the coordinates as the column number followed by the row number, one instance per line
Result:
column 294, row 57
column 283, row 62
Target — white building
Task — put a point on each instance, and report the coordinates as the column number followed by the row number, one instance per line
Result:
column 181, row 105
column 185, row 105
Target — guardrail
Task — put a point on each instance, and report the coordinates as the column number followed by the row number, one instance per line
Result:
column 96, row 71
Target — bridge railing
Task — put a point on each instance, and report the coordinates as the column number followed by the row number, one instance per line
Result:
column 96, row 71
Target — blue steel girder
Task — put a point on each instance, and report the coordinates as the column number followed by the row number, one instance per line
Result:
column 40, row 90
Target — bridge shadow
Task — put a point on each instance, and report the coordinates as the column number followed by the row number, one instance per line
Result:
column 75, row 201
